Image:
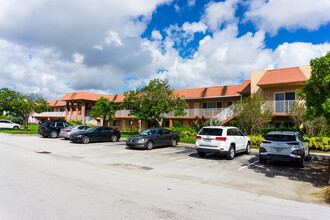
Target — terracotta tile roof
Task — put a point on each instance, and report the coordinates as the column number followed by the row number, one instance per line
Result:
column 232, row 90
column 287, row 75
column 56, row 103
column 81, row 96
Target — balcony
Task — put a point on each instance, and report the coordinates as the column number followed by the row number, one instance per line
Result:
column 49, row 114
column 190, row 112
column 281, row 107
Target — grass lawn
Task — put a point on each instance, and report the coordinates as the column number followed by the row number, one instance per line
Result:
column 32, row 129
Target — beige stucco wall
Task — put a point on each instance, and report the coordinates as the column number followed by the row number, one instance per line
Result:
column 306, row 69
column 255, row 77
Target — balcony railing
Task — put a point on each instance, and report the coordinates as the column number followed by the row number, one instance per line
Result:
column 281, row 107
column 49, row 114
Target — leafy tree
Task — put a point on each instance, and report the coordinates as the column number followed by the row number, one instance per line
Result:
column 23, row 105
column 153, row 101
column 252, row 115
column 105, row 109
column 297, row 112
column 316, row 92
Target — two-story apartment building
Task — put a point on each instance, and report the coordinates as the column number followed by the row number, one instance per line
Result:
column 277, row 86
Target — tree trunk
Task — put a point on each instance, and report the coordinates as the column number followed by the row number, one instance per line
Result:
column 26, row 120
column 103, row 122
column 160, row 122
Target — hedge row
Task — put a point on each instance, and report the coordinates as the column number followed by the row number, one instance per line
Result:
column 317, row 143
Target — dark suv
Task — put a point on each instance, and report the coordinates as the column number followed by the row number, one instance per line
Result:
column 52, row 129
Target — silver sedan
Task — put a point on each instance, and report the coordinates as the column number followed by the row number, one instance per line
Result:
column 66, row 132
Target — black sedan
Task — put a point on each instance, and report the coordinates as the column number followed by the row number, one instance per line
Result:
column 151, row 138
column 96, row 134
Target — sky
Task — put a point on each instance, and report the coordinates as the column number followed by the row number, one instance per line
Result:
column 111, row 46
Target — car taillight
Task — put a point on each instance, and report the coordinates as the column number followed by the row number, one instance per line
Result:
column 261, row 149
column 293, row 143
column 266, row 142
column 198, row 137
column 67, row 130
column 221, row 138
column 296, row 152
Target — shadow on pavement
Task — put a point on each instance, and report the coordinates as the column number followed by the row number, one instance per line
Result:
column 316, row 170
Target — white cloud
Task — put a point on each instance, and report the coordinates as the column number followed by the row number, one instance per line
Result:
column 78, row 58
column 191, row 3
column 156, row 35
column 219, row 13
column 194, row 27
column 275, row 14
column 113, row 38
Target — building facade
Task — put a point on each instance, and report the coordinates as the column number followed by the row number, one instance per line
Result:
column 276, row 86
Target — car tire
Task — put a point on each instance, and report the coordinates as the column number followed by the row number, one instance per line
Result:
column 85, row 140
column 308, row 157
column 201, row 154
column 44, row 136
column 150, row 145
column 301, row 163
column 248, row 149
column 231, row 153
column 114, row 138
column 262, row 160
column 15, row 127
column 53, row 134
column 174, row 142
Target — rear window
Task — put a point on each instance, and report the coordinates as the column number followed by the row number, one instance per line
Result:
column 278, row 137
column 211, row 132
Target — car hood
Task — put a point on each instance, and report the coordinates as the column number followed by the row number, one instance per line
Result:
column 138, row 136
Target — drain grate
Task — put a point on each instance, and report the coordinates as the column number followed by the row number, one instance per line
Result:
column 44, row 152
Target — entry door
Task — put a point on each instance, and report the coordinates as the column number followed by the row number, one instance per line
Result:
column 279, row 103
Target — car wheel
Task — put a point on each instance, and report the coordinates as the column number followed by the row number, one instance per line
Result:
column 85, row 140
column 174, row 142
column 301, row 163
column 150, row 145
column 44, row 136
column 114, row 138
column 231, row 153
column 308, row 157
column 53, row 134
column 16, row 127
column 262, row 160
column 201, row 154
column 248, row 148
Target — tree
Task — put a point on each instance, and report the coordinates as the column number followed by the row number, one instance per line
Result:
column 23, row 105
column 252, row 114
column 153, row 101
column 316, row 92
column 297, row 112
column 105, row 109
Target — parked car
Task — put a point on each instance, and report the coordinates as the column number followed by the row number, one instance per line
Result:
column 96, row 134
column 222, row 140
column 285, row 146
column 52, row 129
column 4, row 124
column 151, row 138
column 66, row 132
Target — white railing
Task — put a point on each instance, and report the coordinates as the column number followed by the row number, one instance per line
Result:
column 280, row 107
column 89, row 120
column 49, row 114
column 224, row 114
column 122, row 113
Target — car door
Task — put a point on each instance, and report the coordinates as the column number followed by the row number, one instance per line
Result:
column 7, row 124
column 97, row 135
column 167, row 137
column 59, row 126
column 159, row 138
column 240, row 139
column 1, row 124
column 106, row 134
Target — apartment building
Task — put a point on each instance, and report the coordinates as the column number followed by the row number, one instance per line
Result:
column 277, row 86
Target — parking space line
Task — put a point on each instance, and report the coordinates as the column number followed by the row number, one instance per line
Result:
column 248, row 165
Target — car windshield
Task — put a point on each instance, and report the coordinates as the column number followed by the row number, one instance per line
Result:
column 92, row 129
column 148, row 132
column 280, row 137
column 211, row 132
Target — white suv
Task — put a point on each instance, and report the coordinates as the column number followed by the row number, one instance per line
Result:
column 8, row 124
column 222, row 140
column 284, row 145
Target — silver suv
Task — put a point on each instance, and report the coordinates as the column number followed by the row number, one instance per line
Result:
column 222, row 140
column 284, row 145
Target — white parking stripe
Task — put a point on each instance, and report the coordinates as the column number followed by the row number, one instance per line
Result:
column 248, row 165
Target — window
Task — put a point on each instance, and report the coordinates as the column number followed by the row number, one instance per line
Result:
column 232, row 132
column 106, row 129
column 115, row 123
column 285, row 124
column 285, row 96
column 167, row 123
column 211, row 132
column 60, row 124
column 230, row 103
column 207, row 105
column 53, row 124
column 167, row 131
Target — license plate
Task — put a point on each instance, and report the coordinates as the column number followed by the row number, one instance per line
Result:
column 278, row 150
column 207, row 140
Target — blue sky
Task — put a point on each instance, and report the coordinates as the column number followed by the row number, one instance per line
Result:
column 110, row 46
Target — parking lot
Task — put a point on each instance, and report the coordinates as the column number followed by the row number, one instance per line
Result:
column 245, row 173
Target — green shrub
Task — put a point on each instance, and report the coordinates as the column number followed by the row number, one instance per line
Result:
column 256, row 139
column 184, row 132
column 234, row 123
column 177, row 124
column 74, row 122
column 129, row 130
column 319, row 143
column 91, row 125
